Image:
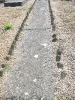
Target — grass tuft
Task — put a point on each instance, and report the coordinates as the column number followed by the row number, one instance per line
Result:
column 55, row 98
column 8, row 26
column 6, row 68
column 68, row 99
column 29, row 9
column 64, row 3
column 73, row 15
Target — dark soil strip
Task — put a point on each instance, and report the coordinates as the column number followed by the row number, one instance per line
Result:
column 37, row 29
column 51, row 15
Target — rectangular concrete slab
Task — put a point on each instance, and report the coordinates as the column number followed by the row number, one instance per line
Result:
column 14, row 3
column 2, row 1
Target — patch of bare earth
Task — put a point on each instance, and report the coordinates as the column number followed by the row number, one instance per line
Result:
column 15, row 16
column 64, row 14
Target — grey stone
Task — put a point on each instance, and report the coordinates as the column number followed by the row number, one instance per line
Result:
column 58, row 58
column 12, row 46
column 3, row 65
column 1, row 72
column 63, row 75
column 16, row 38
column 14, row 3
column 54, row 35
column 14, row 42
column 10, row 52
column 59, row 65
column 59, row 52
column 2, row 1
column 68, row 85
column 54, row 40
column 7, row 58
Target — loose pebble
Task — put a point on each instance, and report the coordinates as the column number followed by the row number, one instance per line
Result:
column 36, row 56
column 26, row 93
column 34, row 80
column 63, row 75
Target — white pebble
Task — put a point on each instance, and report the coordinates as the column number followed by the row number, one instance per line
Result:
column 41, row 98
column 36, row 56
column 34, row 80
column 26, row 93
column 45, row 44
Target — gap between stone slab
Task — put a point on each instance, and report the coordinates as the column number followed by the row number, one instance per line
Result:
column 37, row 29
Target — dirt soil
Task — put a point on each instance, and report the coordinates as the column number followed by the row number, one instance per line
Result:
column 64, row 15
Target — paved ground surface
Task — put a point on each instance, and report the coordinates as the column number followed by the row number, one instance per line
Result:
column 31, row 75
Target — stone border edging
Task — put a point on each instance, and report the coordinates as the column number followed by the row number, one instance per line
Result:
column 11, row 49
column 51, row 15
column 59, row 51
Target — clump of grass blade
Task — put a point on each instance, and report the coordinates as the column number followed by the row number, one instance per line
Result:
column 8, row 26
column 6, row 67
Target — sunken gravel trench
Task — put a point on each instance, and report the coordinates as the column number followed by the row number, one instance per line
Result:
column 30, row 76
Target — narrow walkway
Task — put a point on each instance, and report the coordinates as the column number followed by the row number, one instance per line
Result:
column 30, row 76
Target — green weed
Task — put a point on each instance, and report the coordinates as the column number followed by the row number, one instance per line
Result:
column 8, row 26
column 67, row 20
column 73, row 15
column 29, row 9
column 6, row 68
column 68, row 99
column 55, row 98
column 64, row 3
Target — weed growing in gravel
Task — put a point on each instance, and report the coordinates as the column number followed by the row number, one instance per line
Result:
column 8, row 26
column 68, row 99
column 6, row 68
column 63, row 3
column 55, row 98
column 29, row 9
column 73, row 15
column 67, row 20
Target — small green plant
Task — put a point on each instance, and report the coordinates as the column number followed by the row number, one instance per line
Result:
column 64, row 3
column 6, row 68
column 73, row 15
column 8, row 26
column 29, row 9
column 60, row 24
column 55, row 98
column 68, row 99
column 67, row 20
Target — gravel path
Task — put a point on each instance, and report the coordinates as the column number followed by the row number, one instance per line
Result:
column 31, row 75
